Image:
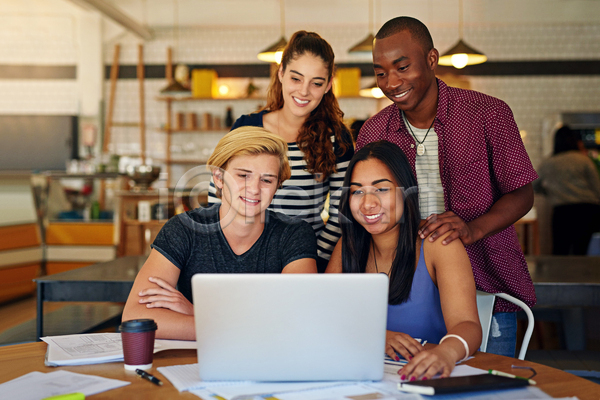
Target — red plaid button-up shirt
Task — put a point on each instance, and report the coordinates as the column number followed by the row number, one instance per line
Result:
column 481, row 157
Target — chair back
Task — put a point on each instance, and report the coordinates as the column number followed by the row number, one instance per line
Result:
column 485, row 308
column 594, row 245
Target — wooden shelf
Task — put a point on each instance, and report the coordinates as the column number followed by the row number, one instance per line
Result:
column 189, row 98
column 97, row 175
column 126, row 124
column 194, row 162
column 187, row 130
column 135, row 222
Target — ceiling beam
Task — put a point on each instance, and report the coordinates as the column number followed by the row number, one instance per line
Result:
column 118, row 16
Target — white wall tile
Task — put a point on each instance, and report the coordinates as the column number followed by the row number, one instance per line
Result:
column 534, row 99
column 41, row 97
column 37, row 39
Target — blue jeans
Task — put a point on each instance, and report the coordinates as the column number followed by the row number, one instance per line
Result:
column 503, row 334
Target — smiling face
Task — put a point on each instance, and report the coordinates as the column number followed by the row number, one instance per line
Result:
column 406, row 72
column 248, row 183
column 303, row 84
column 375, row 199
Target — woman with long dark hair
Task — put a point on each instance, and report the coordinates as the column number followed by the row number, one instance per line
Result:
column 432, row 290
column 302, row 109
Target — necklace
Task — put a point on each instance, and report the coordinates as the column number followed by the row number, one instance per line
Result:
column 375, row 259
column 420, row 146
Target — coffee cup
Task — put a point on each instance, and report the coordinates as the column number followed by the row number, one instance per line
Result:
column 137, row 336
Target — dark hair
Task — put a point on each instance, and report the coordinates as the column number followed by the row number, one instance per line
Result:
column 355, row 128
column 417, row 29
column 356, row 241
column 314, row 138
column 566, row 139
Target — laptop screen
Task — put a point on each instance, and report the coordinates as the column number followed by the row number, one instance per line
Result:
column 290, row 327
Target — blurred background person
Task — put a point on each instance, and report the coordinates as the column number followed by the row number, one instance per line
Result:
column 570, row 181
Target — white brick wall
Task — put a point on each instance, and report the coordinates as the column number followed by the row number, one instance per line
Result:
column 39, row 97
column 37, row 39
column 48, row 35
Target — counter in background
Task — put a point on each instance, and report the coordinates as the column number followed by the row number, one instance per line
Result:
column 21, row 253
column 78, row 221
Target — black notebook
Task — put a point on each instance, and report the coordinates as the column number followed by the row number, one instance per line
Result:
column 462, row 384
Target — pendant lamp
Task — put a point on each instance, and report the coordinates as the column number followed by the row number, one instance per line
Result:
column 371, row 91
column 461, row 54
column 274, row 52
column 365, row 46
column 174, row 87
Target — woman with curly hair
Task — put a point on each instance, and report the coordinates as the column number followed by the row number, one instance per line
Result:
column 302, row 109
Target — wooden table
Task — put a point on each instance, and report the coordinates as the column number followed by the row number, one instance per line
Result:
column 20, row 359
column 564, row 286
column 108, row 281
column 566, row 281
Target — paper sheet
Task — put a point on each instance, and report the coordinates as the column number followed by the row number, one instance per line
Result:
column 95, row 348
column 342, row 392
column 37, row 385
column 185, row 377
column 248, row 390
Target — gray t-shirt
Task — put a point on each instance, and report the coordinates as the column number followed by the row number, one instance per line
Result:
column 194, row 242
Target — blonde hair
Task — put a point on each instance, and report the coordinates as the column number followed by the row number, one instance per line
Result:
column 250, row 140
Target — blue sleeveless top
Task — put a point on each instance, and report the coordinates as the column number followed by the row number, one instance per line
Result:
column 421, row 315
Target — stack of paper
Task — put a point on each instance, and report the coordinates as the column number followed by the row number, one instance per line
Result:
column 37, row 385
column 186, row 378
column 96, row 348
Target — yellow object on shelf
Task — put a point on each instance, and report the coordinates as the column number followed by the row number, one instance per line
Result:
column 346, row 82
column 204, row 83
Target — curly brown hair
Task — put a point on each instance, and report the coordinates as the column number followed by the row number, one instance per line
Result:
column 314, row 137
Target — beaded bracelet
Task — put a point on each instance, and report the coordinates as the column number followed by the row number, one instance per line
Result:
column 464, row 342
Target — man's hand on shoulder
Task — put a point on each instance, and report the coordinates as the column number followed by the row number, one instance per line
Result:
column 437, row 225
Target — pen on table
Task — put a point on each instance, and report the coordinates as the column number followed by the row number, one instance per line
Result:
column 500, row 373
column 149, row 377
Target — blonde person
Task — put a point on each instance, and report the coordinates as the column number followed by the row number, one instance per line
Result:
column 432, row 291
column 302, row 109
column 238, row 236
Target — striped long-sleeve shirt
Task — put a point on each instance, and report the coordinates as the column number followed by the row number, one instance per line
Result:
column 303, row 196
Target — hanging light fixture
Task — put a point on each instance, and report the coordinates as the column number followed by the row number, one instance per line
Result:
column 174, row 87
column 365, row 45
column 274, row 52
column 371, row 91
column 461, row 54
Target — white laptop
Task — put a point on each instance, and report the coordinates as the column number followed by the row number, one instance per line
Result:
column 290, row 327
